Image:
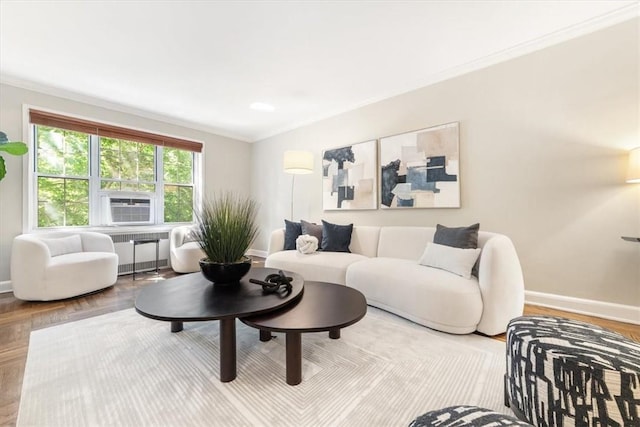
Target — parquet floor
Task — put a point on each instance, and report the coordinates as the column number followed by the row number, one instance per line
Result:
column 19, row 318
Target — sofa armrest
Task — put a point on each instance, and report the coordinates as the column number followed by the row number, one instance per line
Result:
column 30, row 257
column 96, row 242
column 176, row 237
column 276, row 241
column 501, row 285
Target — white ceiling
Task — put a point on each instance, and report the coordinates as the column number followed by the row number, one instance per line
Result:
column 202, row 63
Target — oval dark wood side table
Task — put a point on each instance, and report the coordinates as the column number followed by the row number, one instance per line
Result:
column 323, row 307
column 192, row 298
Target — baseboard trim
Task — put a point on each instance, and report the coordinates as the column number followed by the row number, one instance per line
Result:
column 605, row 310
column 256, row 252
column 5, row 287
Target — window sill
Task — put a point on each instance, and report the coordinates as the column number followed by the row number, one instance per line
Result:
column 115, row 229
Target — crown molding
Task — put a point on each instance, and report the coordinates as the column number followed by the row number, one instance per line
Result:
column 110, row 105
column 618, row 16
column 615, row 17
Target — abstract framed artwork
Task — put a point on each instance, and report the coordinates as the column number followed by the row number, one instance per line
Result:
column 349, row 177
column 420, row 169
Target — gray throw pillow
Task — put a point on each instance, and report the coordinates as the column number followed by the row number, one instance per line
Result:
column 312, row 230
column 336, row 238
column 457, row 237
column 291, row 232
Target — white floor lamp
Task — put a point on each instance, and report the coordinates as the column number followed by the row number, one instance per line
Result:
column 297, row 163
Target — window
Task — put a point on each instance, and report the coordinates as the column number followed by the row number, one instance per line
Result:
column 178, row 185
column 63, row 177
column 127, row 165
column 79, row 164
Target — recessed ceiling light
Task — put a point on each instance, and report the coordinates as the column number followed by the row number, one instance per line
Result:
column 261, row 106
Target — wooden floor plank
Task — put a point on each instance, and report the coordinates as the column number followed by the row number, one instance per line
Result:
column 19, row 318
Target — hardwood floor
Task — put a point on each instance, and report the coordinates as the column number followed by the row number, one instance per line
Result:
column 19, row 318
column 627, row 329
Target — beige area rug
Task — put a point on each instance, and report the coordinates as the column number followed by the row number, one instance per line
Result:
column 124, row 369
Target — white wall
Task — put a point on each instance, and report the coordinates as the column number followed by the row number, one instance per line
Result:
column 226, row 161
column 543, row 141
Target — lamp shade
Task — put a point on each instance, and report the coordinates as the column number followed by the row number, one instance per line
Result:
column 298, row 162
column 633, row 170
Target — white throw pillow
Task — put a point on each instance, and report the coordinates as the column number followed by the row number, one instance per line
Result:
column 64, row 245
column 306, row 244
column 454, row 260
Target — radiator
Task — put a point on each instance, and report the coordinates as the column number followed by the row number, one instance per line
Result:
column 145, row 254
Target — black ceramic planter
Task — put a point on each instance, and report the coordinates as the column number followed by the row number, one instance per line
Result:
column 225, row 273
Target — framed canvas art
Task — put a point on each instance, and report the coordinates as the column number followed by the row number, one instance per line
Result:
column 349, row 177
column 420, row 169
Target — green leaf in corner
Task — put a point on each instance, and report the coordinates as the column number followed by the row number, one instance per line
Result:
column 14, row 148
column 3, row 170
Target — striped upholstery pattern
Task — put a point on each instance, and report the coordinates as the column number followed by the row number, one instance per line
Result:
column 458, row 416
column 568, row 372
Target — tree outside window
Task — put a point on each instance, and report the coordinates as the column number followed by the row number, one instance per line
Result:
column 127, row 165
column 178, row 188
column 63, row 177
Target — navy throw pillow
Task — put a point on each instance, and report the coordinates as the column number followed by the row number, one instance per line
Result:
column 291, row 232
column 336, row 238
column 457, row 237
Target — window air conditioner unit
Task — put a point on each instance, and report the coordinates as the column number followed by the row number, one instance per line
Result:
column 124, row 209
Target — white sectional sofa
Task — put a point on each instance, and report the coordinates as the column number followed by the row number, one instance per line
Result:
column 383, row 265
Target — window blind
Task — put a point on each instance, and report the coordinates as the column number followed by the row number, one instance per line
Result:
column 110, row 131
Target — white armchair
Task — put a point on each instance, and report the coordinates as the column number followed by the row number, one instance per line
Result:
column 184, row 253
column 58, row 265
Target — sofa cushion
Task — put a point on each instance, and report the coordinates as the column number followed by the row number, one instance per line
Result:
column 78, row 273
column 425, row 295
column 364, row 240
column 291, row 232
column 80, row 259
column 404, row 242
column 319, row 266
column 336, row 238
column 457, row 237
column 454, row 260
column 312, row 230
column 63, row 245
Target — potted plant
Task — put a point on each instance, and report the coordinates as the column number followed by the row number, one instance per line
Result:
column 14, row 148
column 225, row 228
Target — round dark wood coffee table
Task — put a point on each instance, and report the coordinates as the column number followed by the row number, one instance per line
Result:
column 323, row 307
column 192, row 298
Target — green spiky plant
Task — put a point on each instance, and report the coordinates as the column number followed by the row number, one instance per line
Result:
column 14, row 148
column 226, row 226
